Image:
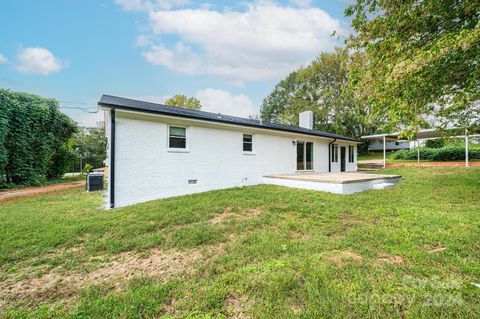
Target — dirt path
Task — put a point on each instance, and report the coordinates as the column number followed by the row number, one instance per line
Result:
column 31, row 191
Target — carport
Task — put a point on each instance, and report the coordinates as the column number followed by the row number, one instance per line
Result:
column 426, row 134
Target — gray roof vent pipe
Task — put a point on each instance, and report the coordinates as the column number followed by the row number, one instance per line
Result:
column 305, row 120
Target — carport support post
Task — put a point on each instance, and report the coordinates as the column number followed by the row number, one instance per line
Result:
column 418, row 151
column 466, row 148
column 384, row 153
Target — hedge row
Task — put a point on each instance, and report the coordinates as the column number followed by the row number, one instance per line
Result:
column 448, row 153
column 33, row 138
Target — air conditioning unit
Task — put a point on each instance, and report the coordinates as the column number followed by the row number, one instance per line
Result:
column 94, row 182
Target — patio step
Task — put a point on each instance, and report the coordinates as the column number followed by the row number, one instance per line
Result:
column 365, row 169
column 370, row 165
column 382, row 185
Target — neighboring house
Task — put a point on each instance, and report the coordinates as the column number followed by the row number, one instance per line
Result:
column 157, row 151
column 391, row 145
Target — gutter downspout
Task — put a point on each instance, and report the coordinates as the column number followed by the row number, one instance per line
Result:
column 112, row 158
column 330, row 155
column 384, row 152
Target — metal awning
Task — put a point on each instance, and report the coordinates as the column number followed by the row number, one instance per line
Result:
column 425, row 134
column 420, row 135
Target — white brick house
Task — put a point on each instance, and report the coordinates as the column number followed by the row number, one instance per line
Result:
column 157, row 151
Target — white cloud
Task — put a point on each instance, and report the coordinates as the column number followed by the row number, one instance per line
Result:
column 266, row 41
column 38, row 61
column 3, row 59
column 143, row 40
column 219, row 101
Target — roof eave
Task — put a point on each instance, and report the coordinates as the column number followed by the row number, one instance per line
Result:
column 108, row 105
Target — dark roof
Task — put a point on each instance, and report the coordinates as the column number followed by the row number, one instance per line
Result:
column 129, row 104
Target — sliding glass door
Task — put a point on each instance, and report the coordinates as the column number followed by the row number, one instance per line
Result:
column 304, row 156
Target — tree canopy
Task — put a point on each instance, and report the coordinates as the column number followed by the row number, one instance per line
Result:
column 34, row 137
column 90, row 146
column 417, row 57
column 322, row 88
column 184, row 101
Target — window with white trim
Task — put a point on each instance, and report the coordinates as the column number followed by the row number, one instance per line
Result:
column 351, row 154
column 177, row 137
column 304, row 156
column 334, row 153
column 248, row 143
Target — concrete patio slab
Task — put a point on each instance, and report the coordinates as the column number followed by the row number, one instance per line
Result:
column 338, row 183
column 337, row 178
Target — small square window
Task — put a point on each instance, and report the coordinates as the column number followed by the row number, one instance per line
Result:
column 177, row 137
column 247, row 143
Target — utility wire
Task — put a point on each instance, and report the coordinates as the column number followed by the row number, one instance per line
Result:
column 69, row 102
column 86, row 108
column 81, row 109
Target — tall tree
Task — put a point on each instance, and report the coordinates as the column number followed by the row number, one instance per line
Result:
column 322, row 88
column 184, row 101
column 417, row 57
column 90, row 146
column 279, row 100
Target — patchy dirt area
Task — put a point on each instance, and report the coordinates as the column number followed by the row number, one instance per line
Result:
column 340, row 257
column 236, row 307
column 115, row 273
column 437, row 249
column 390, row 259
column 228, row 213
column 32, row 191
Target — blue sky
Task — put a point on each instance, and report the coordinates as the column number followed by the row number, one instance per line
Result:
column 229, row 54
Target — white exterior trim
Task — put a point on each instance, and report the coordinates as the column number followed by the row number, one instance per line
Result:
column 305, row 141
column 253, row 144
column 228, row 125
column 177, row 149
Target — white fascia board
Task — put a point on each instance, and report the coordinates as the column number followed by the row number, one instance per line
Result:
column 242, row 127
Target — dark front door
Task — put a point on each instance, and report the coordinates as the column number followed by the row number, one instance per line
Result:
column 342, row 158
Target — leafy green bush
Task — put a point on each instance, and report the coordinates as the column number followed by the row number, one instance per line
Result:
column 33, row 137
column 87, row 168
column 438, row 143
column 448, row 153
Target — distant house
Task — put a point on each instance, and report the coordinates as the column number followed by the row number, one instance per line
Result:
column 157, row 151
column 391, row 145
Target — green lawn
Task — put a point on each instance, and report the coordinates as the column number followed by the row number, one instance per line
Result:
column 374, row 155
column 370, row 156
column 412, row 251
